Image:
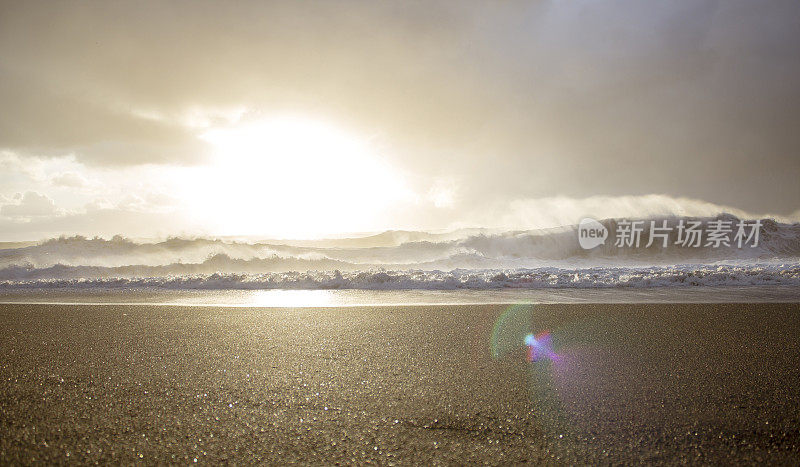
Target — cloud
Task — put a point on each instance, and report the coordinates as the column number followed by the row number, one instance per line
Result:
column 30, row 204
column 150, row 202
column 546, row 100
column 50, row 118
column 70, row 180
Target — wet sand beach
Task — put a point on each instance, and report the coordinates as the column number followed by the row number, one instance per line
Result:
column 702, row 383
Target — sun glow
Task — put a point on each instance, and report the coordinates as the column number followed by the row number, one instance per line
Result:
column 291, row 177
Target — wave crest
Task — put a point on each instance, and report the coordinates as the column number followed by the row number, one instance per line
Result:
column 402, row 260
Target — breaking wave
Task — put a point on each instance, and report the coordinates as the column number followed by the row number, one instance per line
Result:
column 472, row 259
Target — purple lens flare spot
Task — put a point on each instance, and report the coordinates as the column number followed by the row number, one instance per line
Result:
column 540, row 347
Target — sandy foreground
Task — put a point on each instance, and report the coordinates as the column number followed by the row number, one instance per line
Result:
column 423, row 384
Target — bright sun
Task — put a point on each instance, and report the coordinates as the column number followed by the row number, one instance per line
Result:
column 291, row 177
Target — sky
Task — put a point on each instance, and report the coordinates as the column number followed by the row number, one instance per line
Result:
column 308, row 119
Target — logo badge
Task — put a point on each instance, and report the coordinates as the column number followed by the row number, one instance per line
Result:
column 591, row 233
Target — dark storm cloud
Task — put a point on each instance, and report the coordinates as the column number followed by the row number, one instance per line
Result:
column 511, row 99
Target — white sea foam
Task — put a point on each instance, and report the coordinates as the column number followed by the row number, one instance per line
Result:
column 540, row 278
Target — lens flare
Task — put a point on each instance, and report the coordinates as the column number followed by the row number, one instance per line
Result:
column 510, row 331
column 515, row 335
column 540, row 346
column 570, row 361
column 514, row 332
